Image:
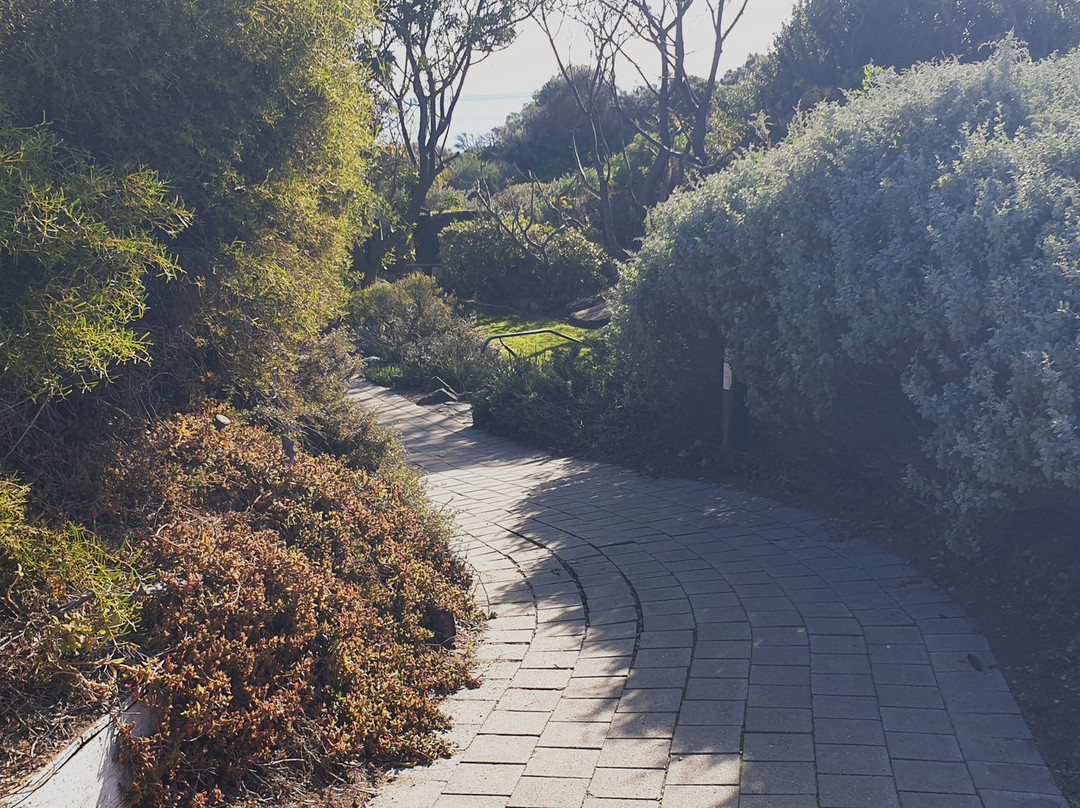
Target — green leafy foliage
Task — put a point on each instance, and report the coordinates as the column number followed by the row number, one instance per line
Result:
column 540, row 139
column 412, row 324
column 568, row 401
column 67, row 607
column 67, row 572
column 256, row 114
column 312, row 408
column 898, row 274
column 540, row 264
column 824, row 49
column 287, row 629
column 76, row 241
column 284, row 633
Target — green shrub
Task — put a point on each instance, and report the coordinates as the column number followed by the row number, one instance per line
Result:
column 485, row 263
column 568, row 401
column 312, row 409
column 575, row 267
column 412, row 324
column 77, row 243
column 66, row 574
column 384, row 375
column 258, row 117
column 528, row 401
column 287, row 632
column 67, row 608
column 823, row 48
column 898, row 273
column 386, row 315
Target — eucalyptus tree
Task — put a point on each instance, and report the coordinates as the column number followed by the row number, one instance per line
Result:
column 420, row 53
column 648, row 38
column 682, row 100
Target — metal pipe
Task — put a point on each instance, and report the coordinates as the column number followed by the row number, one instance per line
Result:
column 499, row 337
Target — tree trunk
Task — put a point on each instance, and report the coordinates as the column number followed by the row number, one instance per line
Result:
column 368, row 255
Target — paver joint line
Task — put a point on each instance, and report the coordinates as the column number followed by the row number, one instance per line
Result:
column 672, row 644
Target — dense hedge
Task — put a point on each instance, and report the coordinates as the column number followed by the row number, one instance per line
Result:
column 483, row 262
column 256, row 115
column 77, row 243
column 899, row 271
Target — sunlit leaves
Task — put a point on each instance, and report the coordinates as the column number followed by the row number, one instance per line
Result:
column 257, row 115
column 76, row 240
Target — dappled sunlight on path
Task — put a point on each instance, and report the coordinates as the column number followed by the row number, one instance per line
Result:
column 667, row 642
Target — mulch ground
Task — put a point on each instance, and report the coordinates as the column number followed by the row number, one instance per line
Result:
column 1023, row 590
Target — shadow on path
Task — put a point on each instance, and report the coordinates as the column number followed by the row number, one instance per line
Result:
column 667, row 642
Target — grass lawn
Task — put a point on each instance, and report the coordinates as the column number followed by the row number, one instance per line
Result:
column 490, row 321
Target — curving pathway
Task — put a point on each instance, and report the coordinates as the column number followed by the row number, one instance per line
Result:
column 671, row 643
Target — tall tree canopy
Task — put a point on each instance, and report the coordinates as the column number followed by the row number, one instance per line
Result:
column 420, row 53
column 255, row 114
column 823, row 49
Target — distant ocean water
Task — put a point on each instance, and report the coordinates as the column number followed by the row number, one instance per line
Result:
column 479, row 114
column 529, row 63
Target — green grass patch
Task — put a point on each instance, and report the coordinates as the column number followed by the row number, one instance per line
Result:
column 384, row 375
column 490, row 321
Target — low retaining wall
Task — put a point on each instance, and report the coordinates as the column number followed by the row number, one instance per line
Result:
column 86, row 774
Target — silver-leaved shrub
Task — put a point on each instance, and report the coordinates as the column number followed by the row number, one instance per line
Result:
column 920, row 244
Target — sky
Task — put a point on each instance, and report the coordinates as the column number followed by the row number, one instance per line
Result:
column 506, row 81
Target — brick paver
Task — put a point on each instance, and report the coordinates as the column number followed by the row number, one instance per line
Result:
column 674, row 644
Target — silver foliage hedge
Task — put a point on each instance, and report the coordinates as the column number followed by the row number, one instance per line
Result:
column 928, row 229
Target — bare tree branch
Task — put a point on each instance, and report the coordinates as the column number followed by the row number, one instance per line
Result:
column 683, row 102
column 420, row 53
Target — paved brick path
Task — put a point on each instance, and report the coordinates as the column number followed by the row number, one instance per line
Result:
column 676, row 644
